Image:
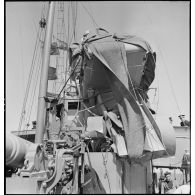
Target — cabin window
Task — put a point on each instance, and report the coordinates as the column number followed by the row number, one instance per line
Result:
column 74, row 105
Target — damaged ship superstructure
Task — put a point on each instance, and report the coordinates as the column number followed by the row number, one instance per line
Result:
column 100, row 135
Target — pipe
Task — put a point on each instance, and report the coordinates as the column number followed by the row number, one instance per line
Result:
column 16, row 149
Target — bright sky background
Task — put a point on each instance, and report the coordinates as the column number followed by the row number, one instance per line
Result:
column 165, row 25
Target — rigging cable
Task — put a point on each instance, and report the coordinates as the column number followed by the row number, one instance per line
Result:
column 68, row 80
column 90, row 15
column 65, row 22
column 69, row 37
column 68, row 24
column 35, row 80
column 158, row 89
column 29, row 78
column 37, row 75
column 74, row 21
column 22, row 61
column 88, row 109
column 38, row 68
column 67, row 56
column 61, row 36
column 172, row 89
column 29, row 82
column 164, row 64
column 77, row 118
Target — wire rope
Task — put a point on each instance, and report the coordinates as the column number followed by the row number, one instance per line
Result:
column 68, row 80
column 90, row 15
column 29, row 81
column 35, row 79
column 37, row 75
column 30, row 77
column 171, row 85
column 164, row 64
column 74, row 20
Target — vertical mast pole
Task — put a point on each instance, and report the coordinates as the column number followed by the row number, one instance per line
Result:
column 44, row 76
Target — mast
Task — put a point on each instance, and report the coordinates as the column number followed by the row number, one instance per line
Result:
column 44, row 76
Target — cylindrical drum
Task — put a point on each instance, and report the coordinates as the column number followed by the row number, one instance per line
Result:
column 16, row 149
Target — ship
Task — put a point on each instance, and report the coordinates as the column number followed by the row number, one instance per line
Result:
column 97, row 134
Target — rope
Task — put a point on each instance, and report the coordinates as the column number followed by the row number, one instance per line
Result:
column 60, row 38
column 164, row 64
column 74, row 20
column 74, row 17
column 35, row 80
column 31, row 99
column 22, row 61
column 172, row 89
column 77, row 117
column 43, row 10
column 67, row 66
column 68, row 79
column 157, row 141
column 65, row 32
column 148, row 130
column 90, row 111
column 87, row 109
column 31, row 71
column 68, row 24
column 94, row 22
column 158, row 91
column 29, row 81
column 135, row 131
column 37, row 75
column 67, row 41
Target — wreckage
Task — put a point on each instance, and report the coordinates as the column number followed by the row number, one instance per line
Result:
column 97, row 135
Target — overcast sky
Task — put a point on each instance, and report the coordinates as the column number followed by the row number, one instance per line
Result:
column 165, row 25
